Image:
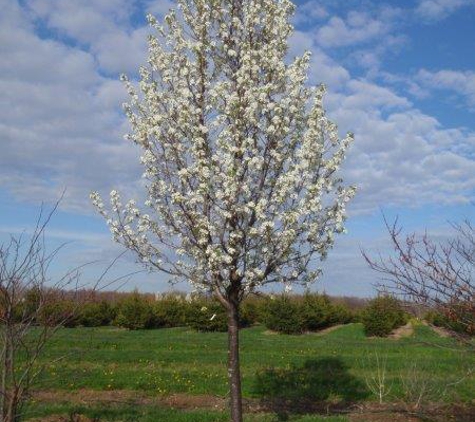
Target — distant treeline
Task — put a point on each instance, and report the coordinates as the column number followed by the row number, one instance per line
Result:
column 288, row 314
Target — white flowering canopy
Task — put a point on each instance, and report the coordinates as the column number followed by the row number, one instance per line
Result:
column 240, row 160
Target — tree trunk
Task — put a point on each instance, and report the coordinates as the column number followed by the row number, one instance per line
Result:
column 234, row 371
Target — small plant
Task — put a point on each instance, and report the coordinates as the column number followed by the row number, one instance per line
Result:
column 134, row 313
column 382, row 315
column 252, row 311
column 341, row 314
column 457, row 325
column 57, row 311
column 96, row 314
column 205, row 314
column 317, row 312
column 170, row 311
column 376, row 379
column 284, row 315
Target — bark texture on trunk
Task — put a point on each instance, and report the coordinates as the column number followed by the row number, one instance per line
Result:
column 234, row 371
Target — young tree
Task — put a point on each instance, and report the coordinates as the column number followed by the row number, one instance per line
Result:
column 26, row 326
column 240, row 160
column 34, row 305
column 437, row 275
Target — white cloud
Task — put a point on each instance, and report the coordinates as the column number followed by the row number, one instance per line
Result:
column 401, row 156
column 325, row 70
column 366, row 95
column 357, row 28
column 368, row 30
column 104, row 28
column 434, row 10
column 371, row 58
column 310, row 12
column 406, row 159
column 62, row 126
column 121, row 52
column 160, row 8
column 460, row 82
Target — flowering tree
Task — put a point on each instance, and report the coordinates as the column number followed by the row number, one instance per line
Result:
column 240, row 159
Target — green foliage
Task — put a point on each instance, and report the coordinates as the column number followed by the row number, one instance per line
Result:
column 206, row 314
column 170, row 311
column 134, row 312
column 461, row 322
column 313, row 312
column 32, row 302
column 96, row 314
column 252, row 311
column 59, row 312
column 340, row 314
column 284, row 315
column 317, row 312
column 382, row 315
column 180, row 360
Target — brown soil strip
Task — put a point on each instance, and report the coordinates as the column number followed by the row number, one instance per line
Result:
column 311, row 333
column 382, row 417
column 441, row 331
column 85, row 397
column 366, row 412
column 401, row 332
column 327, row 330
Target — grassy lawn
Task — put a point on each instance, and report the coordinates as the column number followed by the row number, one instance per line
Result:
column 154, row 414
column 332, row 367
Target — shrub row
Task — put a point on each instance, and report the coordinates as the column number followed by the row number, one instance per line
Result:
column 284, row 314
column 136, row 311
column 312, row 312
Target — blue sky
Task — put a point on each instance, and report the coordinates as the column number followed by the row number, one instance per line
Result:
column 400, row 75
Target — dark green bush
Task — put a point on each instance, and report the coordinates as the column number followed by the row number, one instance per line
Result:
column 134, row 312
column 317, row 312
column 205, row 314
column 170, row 311
column 252, row 311
column 59, row 312
column 341, row 314
column 382, row 315
column 96, row 314
column 32, row 302
column 284, row 315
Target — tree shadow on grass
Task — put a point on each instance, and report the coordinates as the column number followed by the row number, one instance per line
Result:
column 322, row 385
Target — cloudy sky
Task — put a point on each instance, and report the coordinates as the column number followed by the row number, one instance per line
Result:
column 400, row 75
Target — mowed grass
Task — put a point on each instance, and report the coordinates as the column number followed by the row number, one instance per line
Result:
column 178, row 360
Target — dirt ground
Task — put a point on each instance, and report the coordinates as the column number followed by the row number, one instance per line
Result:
column 404, row 331
column 368, row 412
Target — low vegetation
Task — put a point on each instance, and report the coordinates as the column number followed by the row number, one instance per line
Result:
column 107, row 368
column 382, row 315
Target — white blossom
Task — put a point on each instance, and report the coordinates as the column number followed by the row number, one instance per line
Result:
column 240, row 161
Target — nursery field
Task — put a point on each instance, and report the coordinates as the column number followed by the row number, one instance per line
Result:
column 176, row 374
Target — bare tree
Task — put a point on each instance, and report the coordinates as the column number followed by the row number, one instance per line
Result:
column 32, row 310
column 25, row 327
column 436, row 274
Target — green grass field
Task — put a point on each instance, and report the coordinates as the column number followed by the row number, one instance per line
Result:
column 331, row 368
